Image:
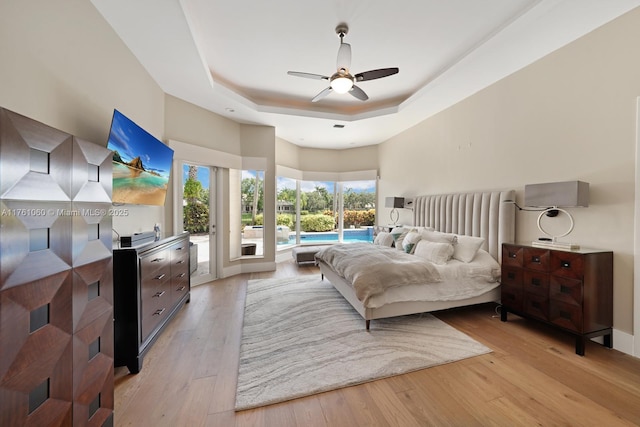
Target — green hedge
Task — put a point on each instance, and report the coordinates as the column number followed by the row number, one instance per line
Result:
column 285, row 219
column 317, row 223
column 357, row 218
column 196, row 218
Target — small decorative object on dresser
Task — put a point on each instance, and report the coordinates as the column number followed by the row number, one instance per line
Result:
column 571, row 290
column 151, row 283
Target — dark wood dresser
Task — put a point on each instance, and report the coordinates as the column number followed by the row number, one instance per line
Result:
column 151, row 283
column 571, row 290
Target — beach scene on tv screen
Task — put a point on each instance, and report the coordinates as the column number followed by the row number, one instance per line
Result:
column 141, row 164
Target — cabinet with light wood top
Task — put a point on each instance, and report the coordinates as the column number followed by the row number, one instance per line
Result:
column 571, row 290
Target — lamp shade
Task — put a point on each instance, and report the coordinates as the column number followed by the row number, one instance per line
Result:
column 559, row 194
column 394, row 202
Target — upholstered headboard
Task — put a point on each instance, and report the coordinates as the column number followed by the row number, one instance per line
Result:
column 481, row 214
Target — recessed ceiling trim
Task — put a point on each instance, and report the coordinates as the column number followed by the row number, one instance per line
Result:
column 161, row 37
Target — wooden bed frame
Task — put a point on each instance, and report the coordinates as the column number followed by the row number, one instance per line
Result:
column 483, row 214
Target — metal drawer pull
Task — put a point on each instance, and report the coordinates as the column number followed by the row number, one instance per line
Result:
column 512, row 255
column 160, row 277
column 535, row 259
column 179, row 249
column 180, row 262
column 565, row 264
column 181, row 275
column 157, row 259
column 511, row 275
column 159, row 312
column 565, row 289
column 181, row 288
column 535, row 281
column 159, row 294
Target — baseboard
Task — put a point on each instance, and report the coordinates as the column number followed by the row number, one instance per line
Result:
column 254, row 267
column 623, row 341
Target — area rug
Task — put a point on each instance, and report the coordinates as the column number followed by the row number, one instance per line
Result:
column 301, row 337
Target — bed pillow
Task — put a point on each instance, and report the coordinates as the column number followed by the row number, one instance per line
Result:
column 383, row 239
column 435, row 252
column 410, row 240
column 439, row 237
column 420, row 229
column 466, row 247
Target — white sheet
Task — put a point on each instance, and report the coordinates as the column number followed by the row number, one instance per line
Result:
column 459, row 281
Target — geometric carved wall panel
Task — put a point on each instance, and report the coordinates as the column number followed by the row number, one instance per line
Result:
column 27, row 359
column 28, row 144
column 56, row 277
column 93, row 373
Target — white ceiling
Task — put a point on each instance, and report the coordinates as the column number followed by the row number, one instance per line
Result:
column 232, row 57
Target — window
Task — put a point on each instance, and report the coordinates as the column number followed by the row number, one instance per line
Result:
column 252, row 212
column 329, row 211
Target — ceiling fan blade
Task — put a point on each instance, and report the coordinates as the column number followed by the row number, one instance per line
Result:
column 307, row 75
column 322, row 94
column 344, row 56
column 358, row 93
column 375, row 74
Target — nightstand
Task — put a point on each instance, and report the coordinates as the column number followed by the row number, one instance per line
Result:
column 570, row 290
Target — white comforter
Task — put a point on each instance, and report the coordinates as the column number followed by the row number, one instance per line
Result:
column 373, row 269
column 459, row 280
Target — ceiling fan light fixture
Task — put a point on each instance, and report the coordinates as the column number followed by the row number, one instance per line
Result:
column 343, row 81
column 341, row 84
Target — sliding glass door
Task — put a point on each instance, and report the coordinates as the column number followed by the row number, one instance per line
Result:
column 198, row 218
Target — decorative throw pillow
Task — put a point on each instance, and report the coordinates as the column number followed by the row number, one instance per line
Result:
column 410, row 240
column 466, row 247
column 383, row 239
column 439, row 237
column 437, row 253
column 399, row 234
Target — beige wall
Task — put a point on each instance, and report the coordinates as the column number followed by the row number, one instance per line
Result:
column 63, row 65
column 318, row 160
column 259, row 141
column 353, row 159
column 191, row 124
column 569, row 116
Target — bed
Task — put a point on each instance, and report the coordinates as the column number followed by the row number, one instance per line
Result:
column 482, row 216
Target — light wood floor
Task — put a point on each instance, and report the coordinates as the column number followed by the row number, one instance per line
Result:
column 533, row 377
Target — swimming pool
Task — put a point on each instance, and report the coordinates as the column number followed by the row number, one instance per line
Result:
column 349, row 235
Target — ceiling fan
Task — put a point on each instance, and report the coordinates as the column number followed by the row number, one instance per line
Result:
column 342, row 81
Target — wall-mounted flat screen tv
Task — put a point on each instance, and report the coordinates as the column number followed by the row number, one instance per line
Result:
column 141, row 163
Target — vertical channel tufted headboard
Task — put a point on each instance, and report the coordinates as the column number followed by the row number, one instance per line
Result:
column 481, row 214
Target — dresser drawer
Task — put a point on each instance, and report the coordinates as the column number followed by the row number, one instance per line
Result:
column 152, row 283
column 179, row 264
column 179, row 251
column 179, row 287
column 512, row 297
column 567, row 264
column 536, row 259
column 512, row 256
column 568, row 316
column 536, row 282
column 154, row 309
column 566, row 290
column 512, row 276
column 150, row 263
column 536, row 305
